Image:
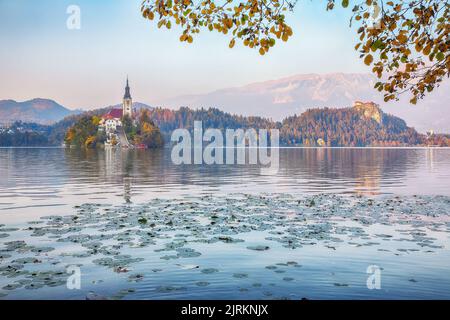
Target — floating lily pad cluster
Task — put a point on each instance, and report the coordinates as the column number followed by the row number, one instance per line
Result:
column 100, row 234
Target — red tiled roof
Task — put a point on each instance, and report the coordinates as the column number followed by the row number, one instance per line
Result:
column 114, row 113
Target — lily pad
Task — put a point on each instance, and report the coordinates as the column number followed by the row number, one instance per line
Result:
column 240, row 275
column 258, row 248
column 136, row 277
column 209, row 270
column 202, row 283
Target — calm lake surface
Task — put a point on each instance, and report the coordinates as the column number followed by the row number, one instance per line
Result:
column 139, row 227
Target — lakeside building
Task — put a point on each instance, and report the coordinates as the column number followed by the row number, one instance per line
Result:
column 111, row 122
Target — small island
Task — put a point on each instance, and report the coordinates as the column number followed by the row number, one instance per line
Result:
column 123, row 127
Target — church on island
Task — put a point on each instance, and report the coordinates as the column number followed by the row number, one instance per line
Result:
column 111, row 122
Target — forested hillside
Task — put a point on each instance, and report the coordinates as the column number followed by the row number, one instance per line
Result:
column 346, row 127
column 364, row 125
column 168, row 120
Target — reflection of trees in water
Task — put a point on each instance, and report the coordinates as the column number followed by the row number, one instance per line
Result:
column 29, row 166
column 365, row 169
column 150, row 168
column 7, row 168
column 430, row 158
column 115, row 167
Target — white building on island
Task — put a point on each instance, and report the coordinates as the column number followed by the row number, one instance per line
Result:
column 112, row 121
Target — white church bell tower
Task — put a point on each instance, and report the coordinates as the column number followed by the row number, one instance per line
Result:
column 127, row 102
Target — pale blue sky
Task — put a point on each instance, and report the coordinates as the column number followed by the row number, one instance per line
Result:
column 86, row 68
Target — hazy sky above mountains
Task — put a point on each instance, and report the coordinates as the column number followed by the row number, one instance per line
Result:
column 86, row 68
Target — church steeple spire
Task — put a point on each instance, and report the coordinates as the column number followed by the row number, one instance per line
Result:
column 127, row 91
column 127, row 102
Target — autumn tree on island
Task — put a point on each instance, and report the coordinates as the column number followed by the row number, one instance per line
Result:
column 144, row 131
column 406, row 43
column 85, row 132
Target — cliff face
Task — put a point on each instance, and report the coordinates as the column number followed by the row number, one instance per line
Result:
column 369, row 110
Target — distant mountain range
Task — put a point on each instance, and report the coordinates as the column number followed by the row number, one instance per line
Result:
column 276, row 99
column 42, row 111
column 284, row 97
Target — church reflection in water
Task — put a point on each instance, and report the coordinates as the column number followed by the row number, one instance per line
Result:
column 119, row 166
column 127, row 165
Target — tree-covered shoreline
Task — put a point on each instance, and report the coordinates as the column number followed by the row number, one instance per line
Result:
column 334, row 127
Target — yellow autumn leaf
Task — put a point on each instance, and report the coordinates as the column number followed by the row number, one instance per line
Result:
column 368, row 59
column 427, row 50
column 402, row 38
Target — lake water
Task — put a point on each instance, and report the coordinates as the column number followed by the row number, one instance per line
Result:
column 138, row 227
